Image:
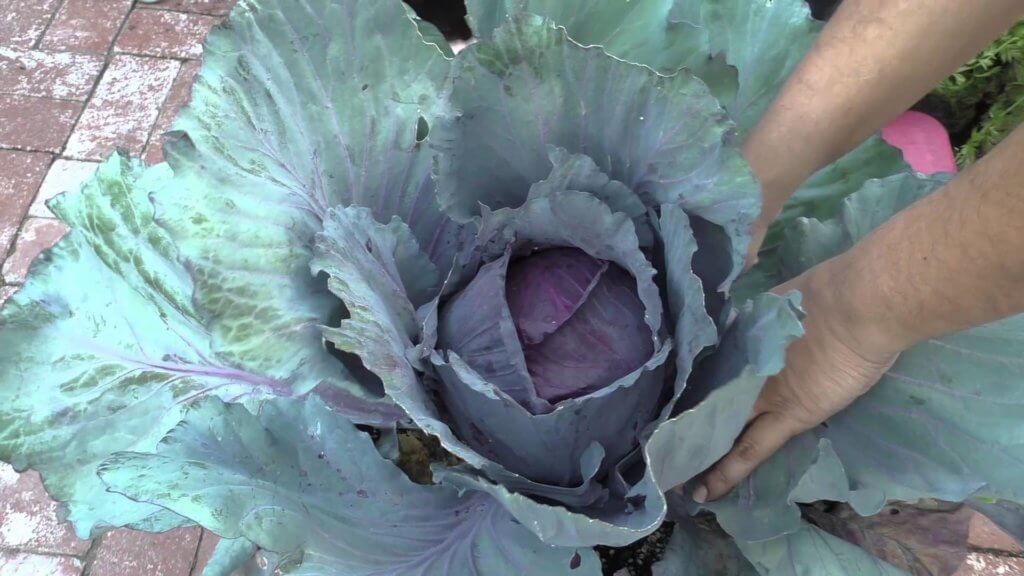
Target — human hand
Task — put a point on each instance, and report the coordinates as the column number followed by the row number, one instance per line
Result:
column 837, row 361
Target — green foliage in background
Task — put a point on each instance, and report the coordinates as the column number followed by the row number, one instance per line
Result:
column 988, row 94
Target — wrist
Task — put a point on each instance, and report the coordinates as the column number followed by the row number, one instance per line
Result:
column 857, row 306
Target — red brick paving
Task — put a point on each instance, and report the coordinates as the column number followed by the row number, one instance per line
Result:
column 165, row 34
column 124, row 107
column 42, row 124
column 37, row 234
column 66, row 93
column 21, row 174
column 214, row 7
column 180, row 94
column 64, row 176
column 14, row 563
column 53, row 52
column 86, row 25
column 206, row 546
column 126, row 552
column 22, row 22
column 29, row 519
column 48, row 74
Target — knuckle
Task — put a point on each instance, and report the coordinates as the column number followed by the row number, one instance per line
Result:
column 718, row 479
column 746, row 450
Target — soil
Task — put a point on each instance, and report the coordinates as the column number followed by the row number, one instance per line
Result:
column 637, row 558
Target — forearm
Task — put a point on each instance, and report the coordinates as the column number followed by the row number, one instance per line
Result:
column 949, row 262
column 874, row 59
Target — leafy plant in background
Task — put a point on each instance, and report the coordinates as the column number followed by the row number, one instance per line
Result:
column 522, row 256
column 987, row 95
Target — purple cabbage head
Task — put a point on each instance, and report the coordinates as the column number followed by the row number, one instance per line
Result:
column 579, row 321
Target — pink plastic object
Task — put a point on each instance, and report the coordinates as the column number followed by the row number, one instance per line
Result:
column 924, row 142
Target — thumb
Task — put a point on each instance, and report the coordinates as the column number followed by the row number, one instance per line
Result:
column 763, row 436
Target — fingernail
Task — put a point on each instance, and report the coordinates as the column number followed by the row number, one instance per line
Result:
column 700, row 494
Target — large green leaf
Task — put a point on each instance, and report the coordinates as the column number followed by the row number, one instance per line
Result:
column 102, row 347
column 298, row 478
column 763, row 40
column 763, row 505
column 723, row 389
column 811, row 551
column 665, row 138
column 694, row 328
column 639, row 31
column 229, row 555
column 696, row 549
column 822, row 195
column 302, row 105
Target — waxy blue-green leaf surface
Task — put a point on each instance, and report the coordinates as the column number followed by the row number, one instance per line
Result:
column 698, row 550
column 694, row 329
column 640, row 31
column 295, row 112
column 665, row 138
column 723, row 390
column 743, row 50
column 229, row 554
column 102, row 348
column 811, row 551
column 298, row 477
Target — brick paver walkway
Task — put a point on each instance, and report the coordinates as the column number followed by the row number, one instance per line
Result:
column 79, row 79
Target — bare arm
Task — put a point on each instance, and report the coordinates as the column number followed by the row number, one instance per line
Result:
column 947, row 263
column 950, row 262
column 874, row 59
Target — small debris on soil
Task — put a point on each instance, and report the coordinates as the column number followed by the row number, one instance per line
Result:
column 417, row 451
column 637, row 558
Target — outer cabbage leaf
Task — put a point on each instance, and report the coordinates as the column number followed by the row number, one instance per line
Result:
column 102, row 348
column 698, row 550
column 300, row 479
column 763, row 40
column 639, row 31
column 723, row 390
column 665, row 138
column 694, row 328
column 822, row 195
column 812, row 551
column 637, row 516
column 229, row 554
column 579, row 172
column 805, row 470
column 292, row 114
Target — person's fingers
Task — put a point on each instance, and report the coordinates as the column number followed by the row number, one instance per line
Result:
column 762, row 438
